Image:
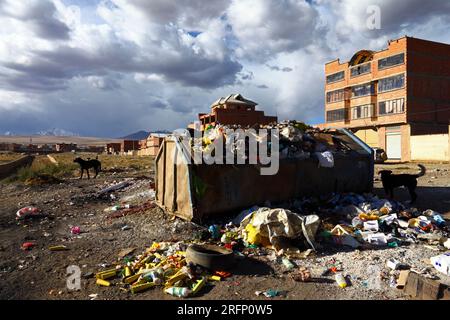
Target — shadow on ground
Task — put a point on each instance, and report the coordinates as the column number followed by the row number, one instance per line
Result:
column 249, row 266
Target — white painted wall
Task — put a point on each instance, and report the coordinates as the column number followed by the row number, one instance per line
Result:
column 430, row 147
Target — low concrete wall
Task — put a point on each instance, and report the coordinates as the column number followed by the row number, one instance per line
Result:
column 11, row 167
column 432, row 147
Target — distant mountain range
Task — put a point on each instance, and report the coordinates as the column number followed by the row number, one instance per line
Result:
column 142, row 134
column 56, row 132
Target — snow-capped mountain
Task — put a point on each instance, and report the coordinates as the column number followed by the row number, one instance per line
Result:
column 57, row 133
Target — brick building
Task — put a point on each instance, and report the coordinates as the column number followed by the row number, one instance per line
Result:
column 65, row 147
column 113, row 147
column 234, row 109
column 129, row 145
column 397, row 99
column 151, row 145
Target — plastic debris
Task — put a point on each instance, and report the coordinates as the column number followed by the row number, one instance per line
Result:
column 27, row 212
column 340, row 280
column 442, row 263
column 27, row 245
column 58, row 248
column 75, row 230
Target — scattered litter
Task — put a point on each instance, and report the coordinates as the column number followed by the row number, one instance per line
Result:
column 341, row 280
column 58, row 248
column 115, row 187
column 28, row 245
column 93, row 296
column 270, row 293
column 125, row 212
column 302, row 275
column 28, row 212
column 442, row 263
column 75, row 230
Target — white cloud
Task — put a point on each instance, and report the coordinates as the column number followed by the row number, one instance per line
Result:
column 265, row 28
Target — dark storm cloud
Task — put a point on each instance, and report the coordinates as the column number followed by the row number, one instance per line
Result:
column 41, row 15
column 187, row 13
column 276, row 68
column 54, row 68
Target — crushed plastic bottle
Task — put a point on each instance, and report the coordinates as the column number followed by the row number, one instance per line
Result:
column 181, row 292
column 340, row 280
column 287, row 263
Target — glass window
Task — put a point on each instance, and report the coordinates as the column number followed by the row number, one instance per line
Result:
column 360, row 112
column 361, row 69
column 336, row 77
column 336, row 115
column 391, row 83
column 391, row 61
column 335, row 96
column 363, row 90
column 391, row 106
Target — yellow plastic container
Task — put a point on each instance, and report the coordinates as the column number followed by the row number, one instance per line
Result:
column 106, row 274
column 199, row 285
column 141, row 287
column 102, row 282
column 131, row 278
column 214, row 278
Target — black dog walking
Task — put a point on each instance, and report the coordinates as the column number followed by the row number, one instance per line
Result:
column 87, row 164
column 391, row 181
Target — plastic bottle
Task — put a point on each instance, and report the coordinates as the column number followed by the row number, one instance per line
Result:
column 181, row 292
column 154, row 277
column 340, row 280
column 287, row 263
column 214, row 231
column 438, row 220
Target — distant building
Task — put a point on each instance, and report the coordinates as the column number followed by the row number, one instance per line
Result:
column 65, row 147
column 152, row 144
column 129, row 145
column 234, row 110
column 397, row 99
column 113, row 147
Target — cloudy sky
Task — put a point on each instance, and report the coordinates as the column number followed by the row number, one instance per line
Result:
column 112, row 67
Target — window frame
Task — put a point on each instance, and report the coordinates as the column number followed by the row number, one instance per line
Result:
column 359, row 66
column 393, row 89
column 392, row 106
column 335, row 119
column 333, row 91
column 333, row 74
column 391, row 66
column 371, row 93
column 371, row 112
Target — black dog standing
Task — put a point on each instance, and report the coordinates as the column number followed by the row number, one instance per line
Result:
column 87, row 164
column 391, row 181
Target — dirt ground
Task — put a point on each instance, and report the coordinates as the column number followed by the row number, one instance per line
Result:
column 41, row 274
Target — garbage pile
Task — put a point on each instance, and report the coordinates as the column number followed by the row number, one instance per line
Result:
column 182, row 269
column 296, row 141
column 366, row 220
column 162, row 265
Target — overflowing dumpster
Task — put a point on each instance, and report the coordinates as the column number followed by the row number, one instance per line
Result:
column 201, row 191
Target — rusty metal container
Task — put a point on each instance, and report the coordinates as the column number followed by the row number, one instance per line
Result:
column 200, row 191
